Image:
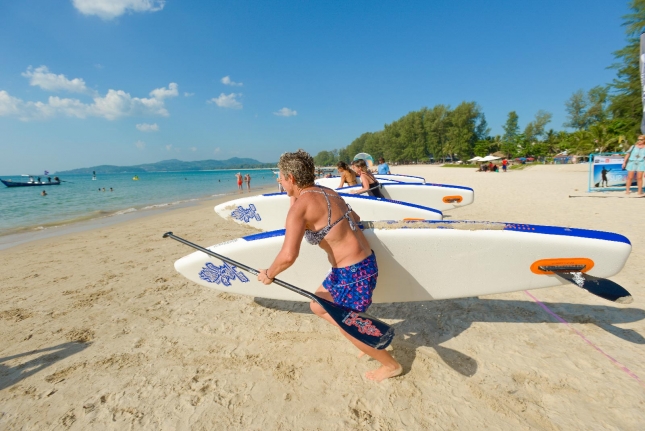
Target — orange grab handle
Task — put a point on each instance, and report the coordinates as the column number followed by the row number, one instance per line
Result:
column 452, row 199
column 562, row 261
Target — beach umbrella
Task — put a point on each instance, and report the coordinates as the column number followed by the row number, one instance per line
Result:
column 368, row 159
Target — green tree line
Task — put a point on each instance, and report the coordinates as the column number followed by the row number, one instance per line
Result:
column 605, row 118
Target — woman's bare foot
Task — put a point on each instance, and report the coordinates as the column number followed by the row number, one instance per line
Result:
column 383, row 373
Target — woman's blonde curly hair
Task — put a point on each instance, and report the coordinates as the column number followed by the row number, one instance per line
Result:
column 299, row 164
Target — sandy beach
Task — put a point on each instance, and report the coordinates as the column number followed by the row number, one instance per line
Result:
column 98, row 331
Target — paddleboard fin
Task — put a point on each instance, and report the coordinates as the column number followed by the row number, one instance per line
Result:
column 601, row 287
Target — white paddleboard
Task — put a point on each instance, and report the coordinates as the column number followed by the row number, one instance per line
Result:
column 442, row 197
column 269, row 211
column 333, row 182
column 423, row 260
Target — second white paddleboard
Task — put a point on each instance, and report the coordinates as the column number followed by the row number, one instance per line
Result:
column 269, row 211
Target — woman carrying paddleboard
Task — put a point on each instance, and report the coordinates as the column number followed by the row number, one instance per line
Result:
column 323, row 218
column 368, row 181
column 346, row 175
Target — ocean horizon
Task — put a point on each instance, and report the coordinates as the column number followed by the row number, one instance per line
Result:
column 79, row 197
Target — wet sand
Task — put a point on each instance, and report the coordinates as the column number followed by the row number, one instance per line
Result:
column 98, row 331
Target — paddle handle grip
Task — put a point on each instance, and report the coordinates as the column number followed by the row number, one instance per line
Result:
column 241, row 266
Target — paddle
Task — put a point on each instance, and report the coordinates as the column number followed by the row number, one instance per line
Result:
column 601, row 287
column 364, row 328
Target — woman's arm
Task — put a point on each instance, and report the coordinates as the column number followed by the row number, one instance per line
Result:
column 626, row 159
column 295, row 230
column 365, row 185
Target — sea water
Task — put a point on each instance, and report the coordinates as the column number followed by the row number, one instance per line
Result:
column 79, row 197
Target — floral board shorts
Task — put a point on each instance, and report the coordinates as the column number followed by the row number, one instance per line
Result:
column 352, row 286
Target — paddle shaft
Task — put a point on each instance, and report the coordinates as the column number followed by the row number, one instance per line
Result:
column 242, row 266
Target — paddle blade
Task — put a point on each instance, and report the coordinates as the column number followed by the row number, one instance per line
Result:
column 363, row 327
column 602, row 287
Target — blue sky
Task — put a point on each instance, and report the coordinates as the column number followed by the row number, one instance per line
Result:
column 124, row 82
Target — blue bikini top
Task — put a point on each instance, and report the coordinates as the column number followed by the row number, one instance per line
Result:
column 315, row 237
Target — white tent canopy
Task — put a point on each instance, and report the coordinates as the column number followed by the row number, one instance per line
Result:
column 475, row 159
column 489, row 158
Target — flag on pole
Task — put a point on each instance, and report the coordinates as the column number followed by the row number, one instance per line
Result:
column 641, row 63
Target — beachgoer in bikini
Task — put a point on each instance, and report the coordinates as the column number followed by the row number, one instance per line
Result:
column 346, row 175
column 323, row 218
column 247, row 179
column 368, row 181
column 238, row 176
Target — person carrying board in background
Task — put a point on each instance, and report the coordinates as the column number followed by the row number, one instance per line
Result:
column 368, row 181
column 346, row 175
column 323, row 218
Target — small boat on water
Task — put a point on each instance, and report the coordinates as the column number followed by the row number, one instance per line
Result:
column 31, row 182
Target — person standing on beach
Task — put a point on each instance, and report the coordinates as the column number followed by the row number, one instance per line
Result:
column 382, row 168
column 323, row 218
column 238, row 176
column 504, row 165
column 634, row 163
column 247, row 179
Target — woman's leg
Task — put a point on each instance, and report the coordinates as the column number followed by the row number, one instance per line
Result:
column 628, row 184
column 389, row 366
column 639, row 181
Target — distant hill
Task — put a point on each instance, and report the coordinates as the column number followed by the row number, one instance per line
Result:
column 173, row 165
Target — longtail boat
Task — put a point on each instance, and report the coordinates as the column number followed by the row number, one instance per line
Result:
column 31, row 183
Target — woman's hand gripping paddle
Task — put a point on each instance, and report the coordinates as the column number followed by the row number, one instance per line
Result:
column 364, row 328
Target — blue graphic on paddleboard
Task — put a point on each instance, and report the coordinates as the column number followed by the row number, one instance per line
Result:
column 246, row 214
column 221, row 274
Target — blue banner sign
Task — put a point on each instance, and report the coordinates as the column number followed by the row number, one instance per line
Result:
column 606, row 173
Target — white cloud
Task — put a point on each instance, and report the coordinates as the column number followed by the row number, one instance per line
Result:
column 9, row 105
column 145, row 127
column 189, row 94
column 286, row 112
column 43, row 78
column 162, row 93
column 230, row 101
column 217, row 150
column 193, row 148
column 169, row 147
column 227, row 81
column 109, row 9
column 140, row 145
column 115, row 104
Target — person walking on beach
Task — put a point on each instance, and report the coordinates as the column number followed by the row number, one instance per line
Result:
column 504, row 165
column 323, row 218
column 634, row 163
column 369, row 182
column 247, row 179
column 346, row 175
column 382, row 168
column 238, row 176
